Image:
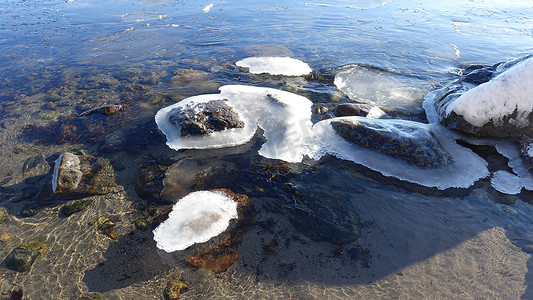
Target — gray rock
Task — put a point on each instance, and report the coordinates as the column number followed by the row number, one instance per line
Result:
column 205, row 118
column 415, row 144
column 473, row 76
column 22, row 258
column 352, row 109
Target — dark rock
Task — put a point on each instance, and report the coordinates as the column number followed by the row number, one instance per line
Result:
column 4, row 214
column 104, row 225
column 26, row 213
column 91, row 296
column 83, row 175
column 322, row 215
column 526, row 152
column 326, row 117
column 149, row 184
column 22, row 258
column 410, row 142
column 220, row 252
column 142, row 224
column 351, row 109
column 106, row 110
column 205, row 118
column 75, row 206
column 471, row 77
column 35, row 166
column 174, row 289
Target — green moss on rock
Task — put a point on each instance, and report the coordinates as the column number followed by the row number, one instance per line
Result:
column 22, row 258
column 4, row 213
column 76, row 206
column 174, row 289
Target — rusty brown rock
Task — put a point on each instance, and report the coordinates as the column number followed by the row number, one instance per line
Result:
column 351, row 109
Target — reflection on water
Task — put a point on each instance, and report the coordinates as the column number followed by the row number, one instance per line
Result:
column 62, row 58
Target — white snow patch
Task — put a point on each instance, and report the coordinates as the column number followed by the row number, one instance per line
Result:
column 452, row 175
column 384, row 89
column 195, row 218
column 500, row 97
column 208, row 8
column 275, row 66
column 285, row 118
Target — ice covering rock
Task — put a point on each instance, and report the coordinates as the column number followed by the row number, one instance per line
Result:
column 450, row 175
column 284, row 117
column 275, row 66
column 67, row 173
column 195, row 218
column 410, row 141
column 489, row 101
column 387, row 90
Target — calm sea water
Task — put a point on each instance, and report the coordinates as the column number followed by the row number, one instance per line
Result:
column 58, row 58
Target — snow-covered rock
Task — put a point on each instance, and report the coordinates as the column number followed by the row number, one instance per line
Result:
column 486, row 102
column 284, row 117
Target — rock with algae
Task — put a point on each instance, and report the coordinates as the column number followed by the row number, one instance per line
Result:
column 4, row 214
column 174, row 289
column 104, row 225
column 75, row 206
column 22, row 258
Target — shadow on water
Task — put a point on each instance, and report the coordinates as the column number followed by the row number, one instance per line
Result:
column 302, row 207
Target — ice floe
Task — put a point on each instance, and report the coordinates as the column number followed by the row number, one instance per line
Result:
column 387, row 90
column 275, row 66
column 195, row 218
column 284, row 117
column 451, row 175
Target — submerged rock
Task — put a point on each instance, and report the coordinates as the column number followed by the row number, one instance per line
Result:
column 75, row 206
column 149, row 184
column 490, row 101
column 142, row 224
column 205, row 118
column 106, row 110
column 4, row 214
column 322, row 215
column 104, row 225
column 82, row 175
column 91, row 296
column 22, row 258
column 351, row 109
column 174, row 289
column 415, row 144
column 35, row 166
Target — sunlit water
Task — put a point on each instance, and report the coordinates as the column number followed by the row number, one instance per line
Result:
column 59, row 58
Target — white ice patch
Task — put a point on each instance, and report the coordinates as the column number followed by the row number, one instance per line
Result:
column 512, row 152
column 376, row 113
column 195, row 218
column 208, row 8
column 506, row 183
column 275, row 66
column 285, row 118
column 386, row 90
column 500, row 97
column 466, row 169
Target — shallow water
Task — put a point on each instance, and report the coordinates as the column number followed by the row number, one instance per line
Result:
column 60, row 58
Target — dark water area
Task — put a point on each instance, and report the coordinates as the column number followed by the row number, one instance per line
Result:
column 327, row 228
